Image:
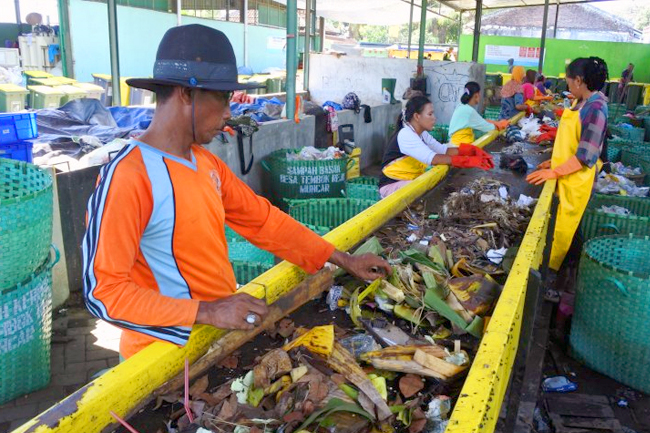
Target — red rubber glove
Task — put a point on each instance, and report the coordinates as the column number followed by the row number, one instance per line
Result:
column 470, row 150
column 470, row 162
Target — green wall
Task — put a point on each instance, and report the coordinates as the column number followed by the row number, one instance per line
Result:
column 616, row 54
column 9, row 31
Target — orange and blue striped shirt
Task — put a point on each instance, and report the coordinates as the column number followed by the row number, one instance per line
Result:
column 155, row 241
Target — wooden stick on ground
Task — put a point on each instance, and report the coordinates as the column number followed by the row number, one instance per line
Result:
column 304, row 292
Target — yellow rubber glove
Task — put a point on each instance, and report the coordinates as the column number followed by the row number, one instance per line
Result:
column 540, row 176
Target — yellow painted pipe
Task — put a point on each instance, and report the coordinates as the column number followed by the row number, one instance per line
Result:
column 479, row 404
column 125, row 386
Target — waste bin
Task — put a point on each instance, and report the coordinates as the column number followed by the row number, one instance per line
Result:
column 12, row 98
column 609, row 330
column 45, row 97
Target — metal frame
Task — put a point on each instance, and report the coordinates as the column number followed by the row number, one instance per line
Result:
column 560, row 2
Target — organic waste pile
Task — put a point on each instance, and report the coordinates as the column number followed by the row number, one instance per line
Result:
column 399, row 363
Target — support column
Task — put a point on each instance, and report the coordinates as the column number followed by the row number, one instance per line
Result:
column 178, row 12
column 321, row 33
column 18, row 20
column 245, row 32
column 410, row 30
column 305, row 56
column 542, row 44
column 460, row 32
column 477, row 30
column 115, row 58
column 557, row 14
column 423, row 29
column 64, row 38
column 292, row 67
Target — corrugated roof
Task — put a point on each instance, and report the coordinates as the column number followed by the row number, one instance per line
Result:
column 576, row 16
column 469, row 5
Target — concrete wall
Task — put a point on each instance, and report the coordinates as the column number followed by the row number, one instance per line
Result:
column 140, row 32
column 371, row 137
column 279, row 134
column 332, row 77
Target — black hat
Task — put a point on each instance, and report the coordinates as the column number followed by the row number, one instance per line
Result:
column 194, row 56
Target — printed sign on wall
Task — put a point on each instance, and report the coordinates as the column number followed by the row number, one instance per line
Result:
column 523, row 56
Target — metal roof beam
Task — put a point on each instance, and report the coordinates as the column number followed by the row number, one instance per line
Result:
column 431, row 10
column 561, row 2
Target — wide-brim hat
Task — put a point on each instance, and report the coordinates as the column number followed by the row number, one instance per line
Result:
column 194, row 56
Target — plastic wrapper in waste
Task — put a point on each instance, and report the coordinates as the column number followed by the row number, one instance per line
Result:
column 616, row 210
column 558, row 384
column 615, row 184
column 359, row 344
column 310, row 153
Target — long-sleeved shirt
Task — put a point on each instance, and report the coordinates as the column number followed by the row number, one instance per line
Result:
column 466, row 116
column 593, row 120
column 409, row 152
column 155, row 243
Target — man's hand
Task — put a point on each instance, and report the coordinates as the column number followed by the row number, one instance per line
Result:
column 364, row 266
column 231, row 312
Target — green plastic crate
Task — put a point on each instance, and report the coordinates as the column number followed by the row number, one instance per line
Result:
column 597, row 223
column 633, row 133
column 609, row 330
column 326, row 214
column 440, row 133
column 27, row 325
column 492, row 113
column 25, row 220
column 363, row 187
column 245, row 272
column 637, row 158
column 304, row 179
column 240, row 250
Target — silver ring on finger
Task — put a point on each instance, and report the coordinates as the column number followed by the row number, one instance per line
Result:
column 251, row 318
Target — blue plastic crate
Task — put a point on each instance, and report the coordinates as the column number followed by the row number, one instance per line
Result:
column 17, row 127
column 21, row 151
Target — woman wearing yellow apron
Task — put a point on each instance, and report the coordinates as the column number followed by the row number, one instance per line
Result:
column 578, row 145
column 466, row 119
column 411, row 149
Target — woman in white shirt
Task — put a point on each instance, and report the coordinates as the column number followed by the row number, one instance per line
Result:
column 411, row 149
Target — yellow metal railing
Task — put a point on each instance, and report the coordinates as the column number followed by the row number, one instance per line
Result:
column 479, row 404
column 125, row 387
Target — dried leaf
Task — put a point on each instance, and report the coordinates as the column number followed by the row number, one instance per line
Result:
column 210, row 400
column 199, row 387
column 167, row 398
column 274, row 364
column 286, row 327
column 410, row 384
column 293, row 416
column 223, row 392
column 229, row 408
column 230, row 362
column 418, row 421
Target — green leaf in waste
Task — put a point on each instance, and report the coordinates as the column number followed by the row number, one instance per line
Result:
column 333, row 406
column 414, row 256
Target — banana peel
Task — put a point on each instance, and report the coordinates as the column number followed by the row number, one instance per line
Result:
column 319, row 339
column 407, row 313
column 476, row 294
column 392, row 292
column 472, row 325
column 463, row 269
column 343, row 362
column 403, row 352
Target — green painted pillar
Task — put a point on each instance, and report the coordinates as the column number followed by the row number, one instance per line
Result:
column 64, row 38
column 292, row 60
column 423, row 29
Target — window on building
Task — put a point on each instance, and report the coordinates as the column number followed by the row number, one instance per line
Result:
column 260, row 12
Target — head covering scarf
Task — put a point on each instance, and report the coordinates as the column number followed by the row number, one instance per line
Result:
column 513, row 86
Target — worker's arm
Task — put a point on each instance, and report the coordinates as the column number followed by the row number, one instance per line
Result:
column 269, row 228
column 119, row 211
column 520, row 103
